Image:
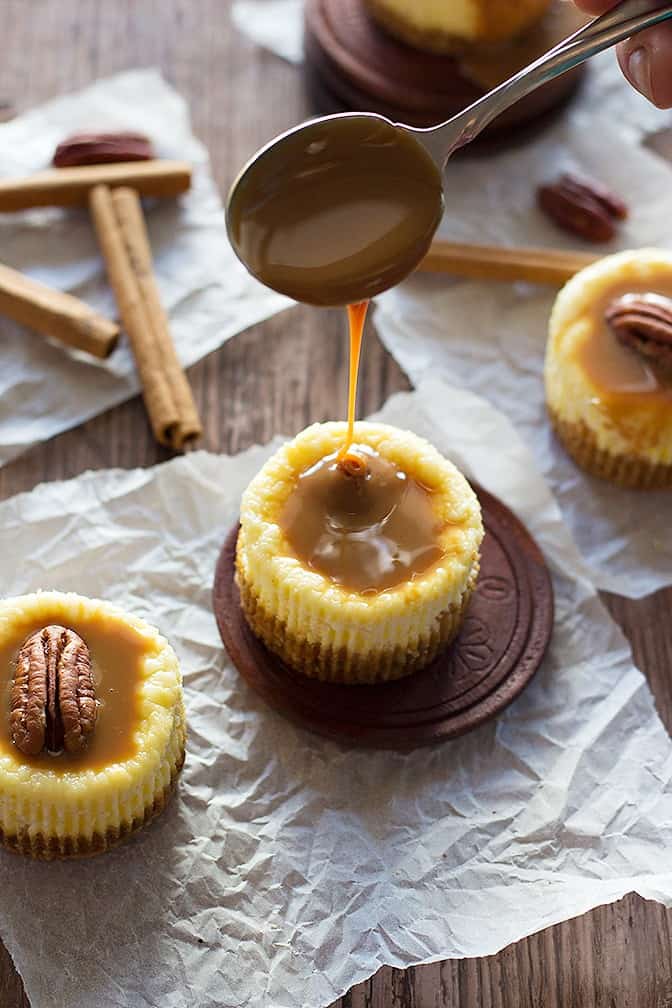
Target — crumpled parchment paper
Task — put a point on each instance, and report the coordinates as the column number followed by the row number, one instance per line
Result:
column 45, row 388
column 491, row 337
column 290, row 867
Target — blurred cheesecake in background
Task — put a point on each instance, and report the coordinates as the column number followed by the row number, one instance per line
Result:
column 442, row 26
column 422, row 61
column 609, row 368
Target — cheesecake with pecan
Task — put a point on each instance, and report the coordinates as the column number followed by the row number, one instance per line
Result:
column 92, row 733
column 608, row 369
column 357, row 566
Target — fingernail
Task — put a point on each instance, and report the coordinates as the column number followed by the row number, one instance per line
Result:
column 639, row 70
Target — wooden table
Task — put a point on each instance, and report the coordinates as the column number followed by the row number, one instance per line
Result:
column 279, row 376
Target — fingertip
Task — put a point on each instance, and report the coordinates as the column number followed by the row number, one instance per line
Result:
column 646, row 60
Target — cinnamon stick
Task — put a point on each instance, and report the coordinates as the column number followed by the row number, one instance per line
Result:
column 70, row 186
column 490, row 262
column 52, row 313
column 132, row 222
column 122, row 235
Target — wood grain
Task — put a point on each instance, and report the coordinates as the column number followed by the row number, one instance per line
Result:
column 279, row 376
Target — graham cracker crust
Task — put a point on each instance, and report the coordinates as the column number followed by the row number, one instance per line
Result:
column 329, row 664
column 631, row 472
column 41, row 848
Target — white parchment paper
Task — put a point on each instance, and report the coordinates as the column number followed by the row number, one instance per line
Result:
column 491, row 337
column 290, row 867
column 275, row 24
column 44, row 388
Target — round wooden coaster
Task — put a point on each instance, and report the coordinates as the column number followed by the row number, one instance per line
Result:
column 366, row 69
column 501, row 645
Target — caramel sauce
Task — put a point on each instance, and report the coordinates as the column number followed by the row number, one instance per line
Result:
column 333, row 214
column 490, row 65
column 624, row 382
column 356, row 319
column 117, row 653
column 619, row 373
column 354, row 516
column 337, row 211
column 367, row 532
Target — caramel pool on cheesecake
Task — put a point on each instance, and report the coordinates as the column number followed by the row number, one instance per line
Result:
column 362, row 522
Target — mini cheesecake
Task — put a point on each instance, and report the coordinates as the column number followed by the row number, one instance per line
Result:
column 608, row 369
column 442, row 26
column 357, row 568
column 92, row 732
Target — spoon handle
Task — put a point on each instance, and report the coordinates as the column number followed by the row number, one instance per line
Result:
column 626, row 19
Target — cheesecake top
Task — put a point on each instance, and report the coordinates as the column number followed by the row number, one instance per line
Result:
column 459, row 20
column 362, row 521
column 375, row 534
column 68, row 661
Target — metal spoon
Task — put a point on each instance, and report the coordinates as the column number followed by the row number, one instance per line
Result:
column 342, row 207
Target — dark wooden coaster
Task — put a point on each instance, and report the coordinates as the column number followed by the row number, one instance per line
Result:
column 501, row 645
column 363, row 68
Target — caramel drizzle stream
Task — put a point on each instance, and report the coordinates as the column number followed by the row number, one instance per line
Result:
column 356, row 319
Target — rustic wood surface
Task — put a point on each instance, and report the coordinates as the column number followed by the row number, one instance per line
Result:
column 279, row 376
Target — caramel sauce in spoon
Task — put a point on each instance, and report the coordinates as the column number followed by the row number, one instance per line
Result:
column 338, row 211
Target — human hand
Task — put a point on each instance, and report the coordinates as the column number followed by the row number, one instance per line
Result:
column 646, row 58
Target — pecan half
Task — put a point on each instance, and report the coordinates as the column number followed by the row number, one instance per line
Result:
column 353, row 465
column 582, row 206
column 102, row 148
column 643, row 322
column 53, row 698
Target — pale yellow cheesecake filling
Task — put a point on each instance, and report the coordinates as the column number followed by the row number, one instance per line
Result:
column 310, row 607
column 467, row 20
column 69, row 804
column 591, row 379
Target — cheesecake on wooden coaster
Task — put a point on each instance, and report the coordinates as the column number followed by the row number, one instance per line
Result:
column 357, row 569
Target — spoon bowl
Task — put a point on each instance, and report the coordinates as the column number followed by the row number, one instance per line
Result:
column 336, row 210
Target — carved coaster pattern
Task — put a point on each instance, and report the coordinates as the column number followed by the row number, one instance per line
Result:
column 351, row 63
column 501, row 645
